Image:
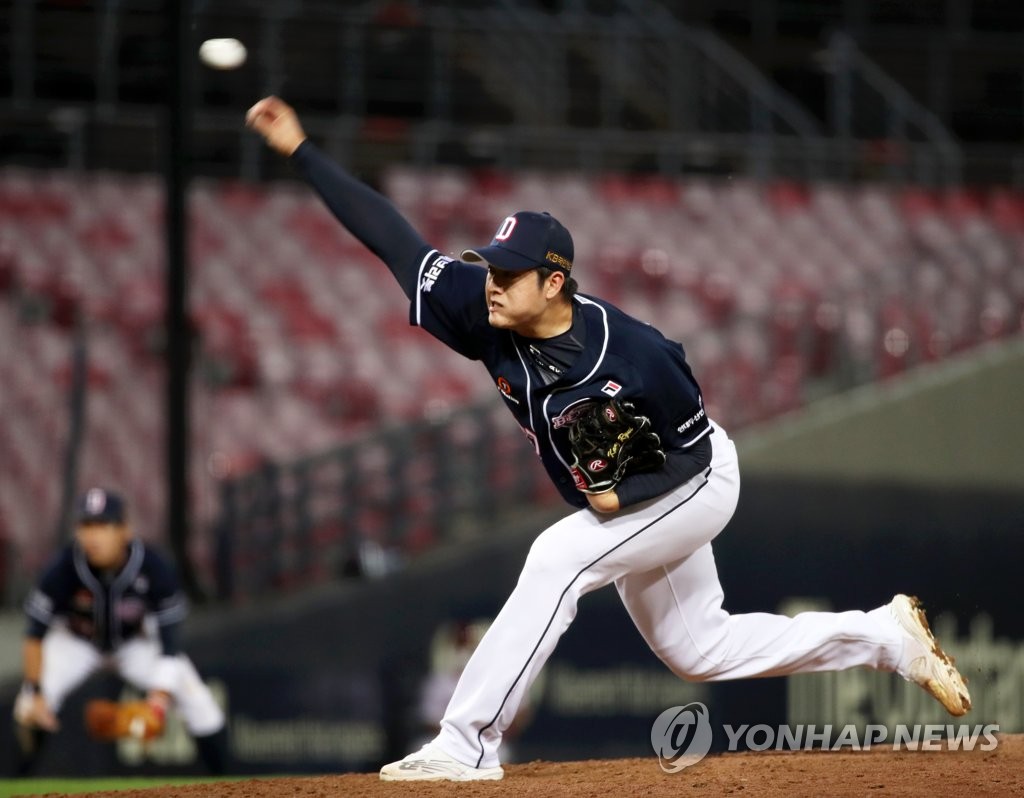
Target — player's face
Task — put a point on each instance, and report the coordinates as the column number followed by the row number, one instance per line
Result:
column 103, row 544
column 515, row 300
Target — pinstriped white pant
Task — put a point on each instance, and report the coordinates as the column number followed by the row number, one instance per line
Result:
column 659, row 556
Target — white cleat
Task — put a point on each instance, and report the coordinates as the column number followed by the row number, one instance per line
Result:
column 430, row 763
column 924, row 662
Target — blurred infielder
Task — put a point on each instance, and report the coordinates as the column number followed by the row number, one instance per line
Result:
column 107, row 600
column 611, row 408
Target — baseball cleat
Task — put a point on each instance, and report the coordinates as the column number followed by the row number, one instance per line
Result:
column 430, row 763
column 924, row 662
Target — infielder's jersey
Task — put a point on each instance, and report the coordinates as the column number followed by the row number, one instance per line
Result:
column 108, row 609
column 623, row 358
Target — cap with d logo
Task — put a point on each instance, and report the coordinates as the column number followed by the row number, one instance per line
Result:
column 99, row 506
column 524, row 241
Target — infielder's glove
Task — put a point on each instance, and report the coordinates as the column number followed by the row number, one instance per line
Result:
column 112, row 720
column 610, row 441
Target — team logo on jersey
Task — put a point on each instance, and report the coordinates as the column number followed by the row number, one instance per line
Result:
column 506, row 390
column 570, row 414
column 611, row 388
column 431, row 274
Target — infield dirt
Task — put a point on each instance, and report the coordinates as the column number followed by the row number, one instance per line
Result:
column 877, row 772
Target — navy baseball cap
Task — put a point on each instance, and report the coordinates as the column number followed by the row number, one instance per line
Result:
column 525, row 241
column 99, row 506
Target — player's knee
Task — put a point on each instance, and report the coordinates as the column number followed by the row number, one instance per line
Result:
column 686, row 663
column 703, row 671
column 699, row 659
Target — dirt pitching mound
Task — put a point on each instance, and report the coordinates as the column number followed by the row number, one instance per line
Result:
column 878, row 772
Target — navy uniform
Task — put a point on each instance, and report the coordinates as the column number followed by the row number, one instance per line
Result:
column 655, row 547
column 126, row 618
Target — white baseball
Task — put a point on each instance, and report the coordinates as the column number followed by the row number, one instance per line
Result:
column 222, row 53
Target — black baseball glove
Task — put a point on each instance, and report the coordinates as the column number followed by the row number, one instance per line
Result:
column 610, row 441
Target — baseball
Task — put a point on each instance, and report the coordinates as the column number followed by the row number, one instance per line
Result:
column 222, row 53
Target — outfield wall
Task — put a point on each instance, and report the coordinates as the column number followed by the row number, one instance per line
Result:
column 957, row 424
column 330, row 681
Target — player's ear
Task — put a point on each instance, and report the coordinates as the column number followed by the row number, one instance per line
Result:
column 553, row 285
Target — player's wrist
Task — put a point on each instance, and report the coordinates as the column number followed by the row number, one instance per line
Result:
column 604, row 502
column 31, row 686
column 291, row 145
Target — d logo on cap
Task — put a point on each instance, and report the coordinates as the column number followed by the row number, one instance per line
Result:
column 506, row 229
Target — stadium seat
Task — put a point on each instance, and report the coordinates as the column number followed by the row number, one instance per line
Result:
column 767, row 286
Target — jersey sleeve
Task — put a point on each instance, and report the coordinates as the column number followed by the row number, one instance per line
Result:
column 670, row 395
column 680, row 466
column 366, row 214
column 449, row 303
column 50, row 595
column 168, row 603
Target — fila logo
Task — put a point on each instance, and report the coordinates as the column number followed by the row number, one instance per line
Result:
column 506, row 229
column 611, row 388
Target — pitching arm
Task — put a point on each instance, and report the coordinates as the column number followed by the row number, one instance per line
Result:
column 365, row 213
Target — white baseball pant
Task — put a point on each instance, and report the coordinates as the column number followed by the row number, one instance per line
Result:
column 659, row 556
column 68, row 661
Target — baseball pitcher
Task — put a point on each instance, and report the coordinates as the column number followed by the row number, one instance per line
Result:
column 611, row 408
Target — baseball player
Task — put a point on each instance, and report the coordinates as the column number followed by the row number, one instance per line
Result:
column 616, row 416
column 107, row 600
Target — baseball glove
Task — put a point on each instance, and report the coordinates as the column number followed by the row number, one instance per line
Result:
column 610, row 441
column 112, row 720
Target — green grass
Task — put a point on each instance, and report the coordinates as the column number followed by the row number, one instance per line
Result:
column 13, row 787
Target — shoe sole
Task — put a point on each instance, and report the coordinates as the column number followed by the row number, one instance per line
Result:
column 437, row 777
column 952, row 694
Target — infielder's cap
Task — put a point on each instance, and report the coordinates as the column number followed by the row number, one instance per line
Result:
column 99, row 506
column 524, row 241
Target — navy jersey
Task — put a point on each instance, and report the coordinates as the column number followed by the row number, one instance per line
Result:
column 623, row 358
column 108, row 609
